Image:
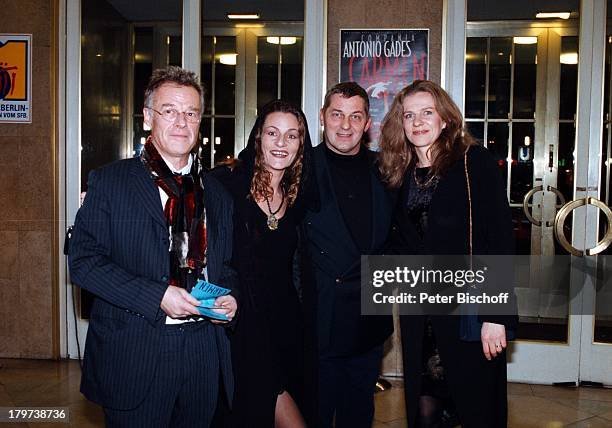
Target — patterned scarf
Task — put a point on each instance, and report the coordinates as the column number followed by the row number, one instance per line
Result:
column 185, row 216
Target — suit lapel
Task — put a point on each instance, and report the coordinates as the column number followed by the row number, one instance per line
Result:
column 380, row 212
column 147, row 191
column 213, row 217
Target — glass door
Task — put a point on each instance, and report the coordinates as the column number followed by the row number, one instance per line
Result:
column 522, row 103
column 596, row 353
column 515, row 107
column 218, row 73
column 242, row 69
column 154, row 45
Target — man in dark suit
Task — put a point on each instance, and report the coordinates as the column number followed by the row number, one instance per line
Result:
column 149, row 228
column 353, row 219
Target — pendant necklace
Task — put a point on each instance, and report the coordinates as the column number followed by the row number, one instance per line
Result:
column 423, row 184
column 272, row 220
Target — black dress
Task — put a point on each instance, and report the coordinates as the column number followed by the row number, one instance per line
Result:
column 266, row 344
column 266, row 341
column 276, row 315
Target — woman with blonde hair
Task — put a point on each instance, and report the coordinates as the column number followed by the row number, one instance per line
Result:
column 451, row 201
column 268, row 185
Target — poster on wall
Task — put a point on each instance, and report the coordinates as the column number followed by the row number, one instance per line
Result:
column 383, row 62
column 15, row 78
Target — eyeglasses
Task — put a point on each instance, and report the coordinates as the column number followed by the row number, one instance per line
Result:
column 170, row 114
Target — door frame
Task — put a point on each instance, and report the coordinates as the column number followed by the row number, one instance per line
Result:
column 596, row 358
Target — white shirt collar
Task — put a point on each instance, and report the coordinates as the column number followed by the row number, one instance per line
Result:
column 184, row 170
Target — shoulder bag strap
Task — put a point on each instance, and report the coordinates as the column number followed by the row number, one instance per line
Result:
column 469, row 192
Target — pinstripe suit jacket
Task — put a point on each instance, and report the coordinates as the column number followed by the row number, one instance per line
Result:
column 119, row 252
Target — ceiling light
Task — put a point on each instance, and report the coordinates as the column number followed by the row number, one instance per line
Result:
column 243, row 15
column 525, row 40
column 249, row 25
column 228, row 59
column 570, row 58
column 281, row 40
column 548, row 15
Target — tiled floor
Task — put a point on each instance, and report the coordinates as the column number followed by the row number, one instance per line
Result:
column 52, row 383
column 530, row 406
column 46, row 383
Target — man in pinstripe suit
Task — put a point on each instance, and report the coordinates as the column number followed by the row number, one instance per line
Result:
column 149, row 228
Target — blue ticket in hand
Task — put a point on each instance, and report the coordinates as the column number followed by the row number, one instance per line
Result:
column 207, row 312
column 207, row 292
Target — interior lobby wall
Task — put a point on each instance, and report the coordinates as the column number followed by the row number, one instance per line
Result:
column 27, row 196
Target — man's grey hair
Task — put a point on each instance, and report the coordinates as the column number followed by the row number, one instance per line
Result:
column 173, row 75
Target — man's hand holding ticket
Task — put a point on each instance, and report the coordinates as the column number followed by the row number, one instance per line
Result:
column 215, row 301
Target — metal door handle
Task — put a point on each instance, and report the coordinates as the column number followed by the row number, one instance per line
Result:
column 529, row 195
column 560, row 221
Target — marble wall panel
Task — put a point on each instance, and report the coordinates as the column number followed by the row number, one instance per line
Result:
column 35, row 191
column 388, row 14
column 36, row 272
column 28, row 16
column 10, row 345
column 9, row 189
column 26, row 196
column 9, row 155
column 9, row 248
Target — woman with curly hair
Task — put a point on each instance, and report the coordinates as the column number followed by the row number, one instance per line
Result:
column 451, row 201
column 268, row 184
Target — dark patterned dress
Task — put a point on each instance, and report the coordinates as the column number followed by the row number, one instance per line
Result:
column 418, row 198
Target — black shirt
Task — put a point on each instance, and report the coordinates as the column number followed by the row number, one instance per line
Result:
column 351, row 179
